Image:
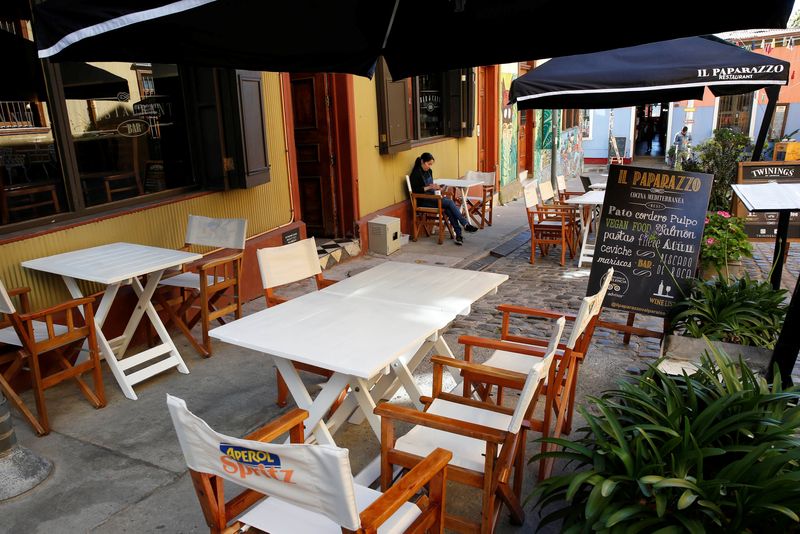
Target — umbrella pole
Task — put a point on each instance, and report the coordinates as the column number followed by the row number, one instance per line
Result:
column 772, row 100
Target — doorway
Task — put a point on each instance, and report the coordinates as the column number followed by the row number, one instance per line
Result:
column 323, row 128
column 488, row 102
column 651, row 130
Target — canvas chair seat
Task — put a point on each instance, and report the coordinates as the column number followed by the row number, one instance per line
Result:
column 513, row 361
column 298, row 488
column 10, row 337
column 190, row 280
column 280, row 517
column 467, row 452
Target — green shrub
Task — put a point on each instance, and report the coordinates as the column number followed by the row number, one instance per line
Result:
column 734, row 310
column 710, row 452
column 720, row 155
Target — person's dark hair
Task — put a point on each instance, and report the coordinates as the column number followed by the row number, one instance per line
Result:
column 424, row 157
column 685, row 129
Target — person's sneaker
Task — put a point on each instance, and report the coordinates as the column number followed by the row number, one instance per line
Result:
column 470, row 228
column 459, row 240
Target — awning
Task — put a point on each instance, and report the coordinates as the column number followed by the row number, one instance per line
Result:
column 667, row 71
column 87, row 82
column 414, row 36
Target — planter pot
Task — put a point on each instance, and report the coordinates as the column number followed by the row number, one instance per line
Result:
column 681, row 353
column 734, row 269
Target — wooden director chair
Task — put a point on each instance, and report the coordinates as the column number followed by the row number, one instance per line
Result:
column 487, row 440
column 310, row 488
column 426, row 218
column 284, row 265
column 211, row 288
column 518, row 354
column 549, row 225
column 481, row 208
column 33, row 342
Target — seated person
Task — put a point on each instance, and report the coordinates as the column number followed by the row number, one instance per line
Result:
column 421, row 178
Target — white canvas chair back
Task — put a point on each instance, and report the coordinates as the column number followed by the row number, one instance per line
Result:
column 523, row 175
column 531, row 198
column 288, row 263
column 408, row 184
column 546, row 191
column 590, row 307
column 561, row 182
column 314, row 477
column 211, row 232
column 6, row 305
column 488, row 178
column 537, row 373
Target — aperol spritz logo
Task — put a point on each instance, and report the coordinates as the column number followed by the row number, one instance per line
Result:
column 250, row 462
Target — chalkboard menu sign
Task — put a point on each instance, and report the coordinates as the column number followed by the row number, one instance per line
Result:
column 650, row 232
column 765, row 224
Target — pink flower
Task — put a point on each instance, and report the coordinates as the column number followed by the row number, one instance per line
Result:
column 707, row 220
column 710, row 241
column 724, row 214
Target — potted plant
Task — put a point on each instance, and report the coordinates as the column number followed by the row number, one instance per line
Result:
column 724, row 244
column 715, row 451
column 742, row 316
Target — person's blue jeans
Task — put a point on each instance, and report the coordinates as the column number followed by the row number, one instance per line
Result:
column 454, row 214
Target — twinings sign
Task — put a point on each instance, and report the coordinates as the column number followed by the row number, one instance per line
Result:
column 650, row 230
column 765, row 224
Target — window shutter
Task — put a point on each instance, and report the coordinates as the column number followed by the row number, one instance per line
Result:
column 255, row 163
column 204, row 123
column 394, row 112
column 461, row 109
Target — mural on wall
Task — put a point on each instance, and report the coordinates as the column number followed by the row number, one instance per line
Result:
column 543, row 143
column 508, row 127
column 570, row 153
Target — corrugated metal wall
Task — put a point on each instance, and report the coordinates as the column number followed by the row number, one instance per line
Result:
column 265, row 207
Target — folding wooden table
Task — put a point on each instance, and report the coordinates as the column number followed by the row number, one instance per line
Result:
column 114, row 265
column 371, row 330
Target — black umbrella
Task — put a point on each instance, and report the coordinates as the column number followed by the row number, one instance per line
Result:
column 667, row 71
column 415, row 36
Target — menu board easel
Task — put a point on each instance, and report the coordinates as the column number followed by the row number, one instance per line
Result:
column 651, row 226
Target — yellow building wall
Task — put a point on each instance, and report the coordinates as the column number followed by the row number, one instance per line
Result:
column 381, row 177
column 266, row 207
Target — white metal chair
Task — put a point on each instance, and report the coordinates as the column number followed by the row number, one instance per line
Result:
column 310, row 488
column 479, row 206
column 487, row 440
column 284, row 265
column 518, row 354
column 204, row 284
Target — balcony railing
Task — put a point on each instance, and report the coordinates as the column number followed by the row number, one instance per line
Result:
column 16, row 114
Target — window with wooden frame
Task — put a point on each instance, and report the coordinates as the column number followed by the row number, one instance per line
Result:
column 586, row 124
column 570, row 118
column 423, row 107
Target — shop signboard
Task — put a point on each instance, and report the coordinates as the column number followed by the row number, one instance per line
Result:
column 651, row 226
column 765, row 224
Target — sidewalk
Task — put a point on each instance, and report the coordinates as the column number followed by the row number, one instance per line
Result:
column 119, row 469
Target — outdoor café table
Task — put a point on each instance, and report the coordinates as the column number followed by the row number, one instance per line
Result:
column 783, row 198
column 595, row 200
column 372, row 332
column 114, row 265
column 597, row 180
column 463, row 185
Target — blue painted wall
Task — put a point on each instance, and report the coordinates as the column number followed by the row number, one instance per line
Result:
column 597, row 147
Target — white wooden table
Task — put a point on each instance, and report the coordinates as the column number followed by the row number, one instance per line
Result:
column 371, row 330
column 114, row 265
column 593, row 199
column 463, row 185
